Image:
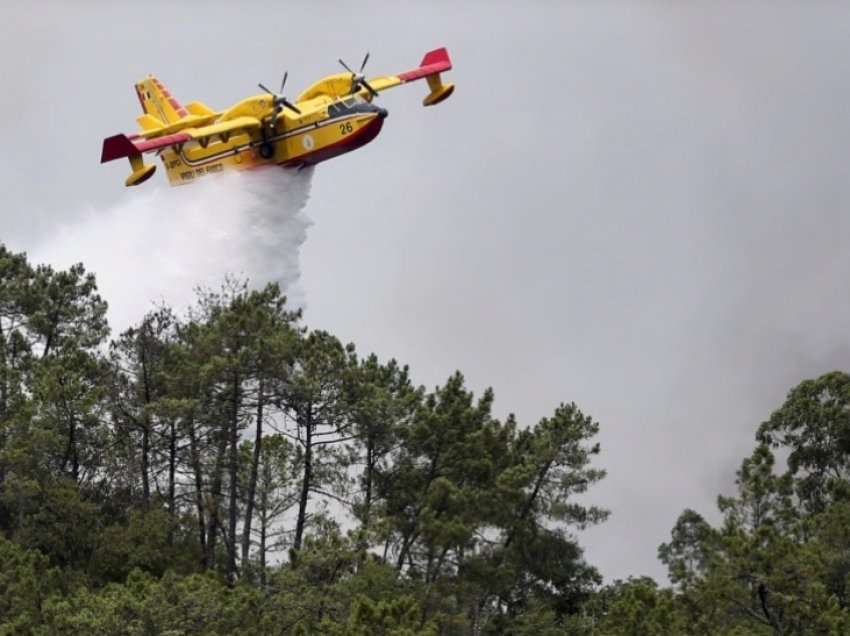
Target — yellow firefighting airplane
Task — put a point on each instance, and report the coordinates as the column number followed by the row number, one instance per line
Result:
column 333, row 116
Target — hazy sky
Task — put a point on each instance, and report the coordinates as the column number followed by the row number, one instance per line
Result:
column 639, row 207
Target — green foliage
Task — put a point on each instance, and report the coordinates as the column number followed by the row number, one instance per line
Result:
column 315, row 398
column 400, row 617
column 150, row 540
column 193, row 606
column 26, row 579
column 382, row 403
column 779, row 562
column 687, row 554
column 194, row 477
column 814, row 426
column 52, row 517
column 637, row 607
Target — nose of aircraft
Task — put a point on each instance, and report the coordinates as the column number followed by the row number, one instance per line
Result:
column 382, row 113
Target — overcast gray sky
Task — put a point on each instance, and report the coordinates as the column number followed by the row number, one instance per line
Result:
column 639, row 207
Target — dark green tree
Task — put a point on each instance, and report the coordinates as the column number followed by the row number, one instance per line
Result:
column 316, row 402
column 813, row 425
column 243, row 341
column 140, row 361
column 690, row 547
column 383, row 403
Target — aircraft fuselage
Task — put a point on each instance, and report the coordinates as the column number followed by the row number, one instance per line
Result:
column 346, row 125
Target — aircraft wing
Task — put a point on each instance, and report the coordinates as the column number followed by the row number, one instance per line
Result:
column 120, row 146
column 225, row 128
column 434, row 63
column 152, row 127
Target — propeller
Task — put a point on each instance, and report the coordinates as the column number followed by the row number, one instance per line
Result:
column 278, row 98
column 358, row 79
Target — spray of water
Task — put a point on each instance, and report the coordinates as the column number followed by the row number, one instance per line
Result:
column 159, row 245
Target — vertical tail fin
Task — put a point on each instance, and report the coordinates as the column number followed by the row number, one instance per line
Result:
column 157, row 101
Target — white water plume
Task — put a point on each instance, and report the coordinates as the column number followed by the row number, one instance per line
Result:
column 159, row 245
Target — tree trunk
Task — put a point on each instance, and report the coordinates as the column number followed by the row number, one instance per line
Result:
column 4, row 377
column 406, row 544
column 172, row 476
column 48, row 342
column 308, row 475
column 146, row 427
column 370, row 471
column 430, row 579
column 146, row 446
column 172, row 467
column 71, row 449
column 409, row 539
column 252, row 482
column 529, row 503
column 264, row 527
column 4, row 400
column 526, row 510
column 363, row 543
column 199, row 490
column 233, row 476
column 216, row 493
column 75, row 457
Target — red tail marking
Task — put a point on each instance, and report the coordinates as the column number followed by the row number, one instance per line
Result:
column 141, row 98
column 182, row 112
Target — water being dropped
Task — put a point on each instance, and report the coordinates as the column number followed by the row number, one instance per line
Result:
column 159, row 245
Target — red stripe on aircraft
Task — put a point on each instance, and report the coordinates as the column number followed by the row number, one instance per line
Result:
column 141, row 98
column 161, row 142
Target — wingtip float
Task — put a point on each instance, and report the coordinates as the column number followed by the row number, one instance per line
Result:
column 333, row 116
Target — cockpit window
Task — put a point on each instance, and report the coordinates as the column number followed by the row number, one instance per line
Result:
column 349, row 101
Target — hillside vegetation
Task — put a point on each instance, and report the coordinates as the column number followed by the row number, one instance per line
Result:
column 232, row 472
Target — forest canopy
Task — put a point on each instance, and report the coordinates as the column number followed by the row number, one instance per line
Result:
column 231, row 471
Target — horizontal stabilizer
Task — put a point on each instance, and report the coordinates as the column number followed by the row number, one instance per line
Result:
column 149, row 122
column 199, row 108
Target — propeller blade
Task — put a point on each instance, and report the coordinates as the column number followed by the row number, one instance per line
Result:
column 283, row 82
column 265, row 89
column 291, row 106
column 365, row 59
column 370, row 89
column 345, row 66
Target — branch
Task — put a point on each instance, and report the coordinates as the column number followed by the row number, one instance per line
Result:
column 334, row 441
column 319, row 491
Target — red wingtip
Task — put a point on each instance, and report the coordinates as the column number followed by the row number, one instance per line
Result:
column 116, row 147
column 435, row 61
column 437, row 56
